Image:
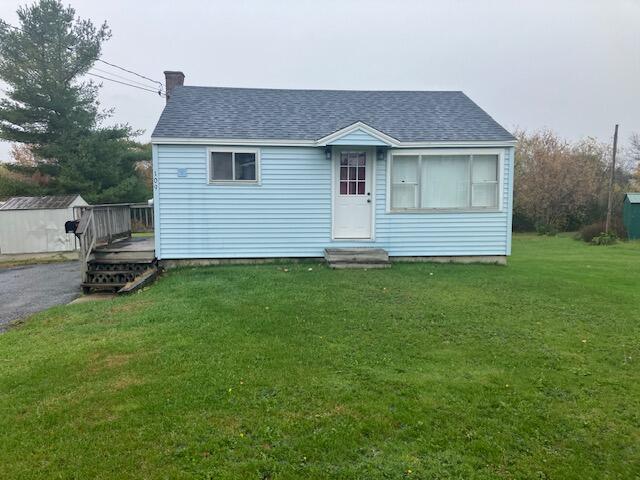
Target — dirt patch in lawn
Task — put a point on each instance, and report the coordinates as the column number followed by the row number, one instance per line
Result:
column 126, row 381
column 131, row 307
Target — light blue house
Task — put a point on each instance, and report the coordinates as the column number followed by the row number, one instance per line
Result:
column 261, row 173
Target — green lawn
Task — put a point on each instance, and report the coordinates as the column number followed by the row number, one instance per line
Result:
column 257, row 372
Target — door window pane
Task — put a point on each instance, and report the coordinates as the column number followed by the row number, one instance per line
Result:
column 245, row 164
column 353, row 159
column 353, row 173
column 222, row 166
column 445, row 181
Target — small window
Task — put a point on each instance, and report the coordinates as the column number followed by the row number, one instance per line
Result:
column 221, row 166
column 404, row 178
column 233, row 166
column 484, row 181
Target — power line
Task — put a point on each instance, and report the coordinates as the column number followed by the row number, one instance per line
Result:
column 121, row 77
column 130, row 71
column 159, row 92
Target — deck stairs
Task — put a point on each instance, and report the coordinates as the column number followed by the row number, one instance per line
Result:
column 111, row 258
column 357, row 257
column 110, row 269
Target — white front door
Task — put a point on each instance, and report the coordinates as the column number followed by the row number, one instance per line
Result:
column 352, row 193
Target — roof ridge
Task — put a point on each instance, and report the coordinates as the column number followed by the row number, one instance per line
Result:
column 315, row 89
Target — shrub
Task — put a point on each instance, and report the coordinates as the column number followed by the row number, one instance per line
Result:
column 604, row 239
column 543, row 229
column 588, row 232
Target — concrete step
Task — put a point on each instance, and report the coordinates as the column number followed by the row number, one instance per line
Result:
column 359, row 265
column 357, row 257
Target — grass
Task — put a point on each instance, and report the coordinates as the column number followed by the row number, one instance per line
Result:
column 420, row 371
column 24, row 259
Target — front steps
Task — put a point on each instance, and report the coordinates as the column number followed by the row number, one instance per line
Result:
column 114, row 275
column 121, row 266
column 357, row 257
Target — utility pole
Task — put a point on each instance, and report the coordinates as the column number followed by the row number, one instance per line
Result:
column 613, row 172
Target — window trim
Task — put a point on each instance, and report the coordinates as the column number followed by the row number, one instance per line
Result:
column 233, row 151
column 443, row 152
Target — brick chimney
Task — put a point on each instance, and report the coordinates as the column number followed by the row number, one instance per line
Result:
column 171, row 80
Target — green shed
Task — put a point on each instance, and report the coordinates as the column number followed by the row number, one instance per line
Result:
column 631, row 215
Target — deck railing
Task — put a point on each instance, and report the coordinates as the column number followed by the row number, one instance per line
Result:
column 141, row 217
column 100, row 225
column 86, row 233
column 109, row 222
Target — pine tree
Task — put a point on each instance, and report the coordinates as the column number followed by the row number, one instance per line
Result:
column 53, row 110
column 48, row 106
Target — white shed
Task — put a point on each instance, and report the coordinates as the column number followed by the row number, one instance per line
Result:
column 36, row 224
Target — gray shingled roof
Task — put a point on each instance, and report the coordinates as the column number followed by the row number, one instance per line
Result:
column 35, row 203
column 256, row 113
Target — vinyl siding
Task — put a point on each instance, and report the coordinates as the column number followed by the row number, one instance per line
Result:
column 288, row 214
column 357, row 137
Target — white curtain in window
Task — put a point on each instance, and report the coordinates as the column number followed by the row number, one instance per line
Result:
column 445, row 181
column 485, row 181
column 485, row 168
column 404, row 176
column 485, row 195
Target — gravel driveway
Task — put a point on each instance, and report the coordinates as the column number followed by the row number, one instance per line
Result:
column 30, row 289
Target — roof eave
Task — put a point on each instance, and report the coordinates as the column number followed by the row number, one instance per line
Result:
column 266, row 142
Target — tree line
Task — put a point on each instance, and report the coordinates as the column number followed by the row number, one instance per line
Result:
column 563, row 186
column 52, row 113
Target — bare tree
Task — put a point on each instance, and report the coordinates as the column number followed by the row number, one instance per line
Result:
column 634, row 156
column 557, row 183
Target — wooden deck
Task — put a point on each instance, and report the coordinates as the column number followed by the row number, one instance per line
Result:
column 110, row 256
column 131, row 244
column 131, row 249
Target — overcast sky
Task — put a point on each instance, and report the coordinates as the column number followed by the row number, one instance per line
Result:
column 570, row 65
